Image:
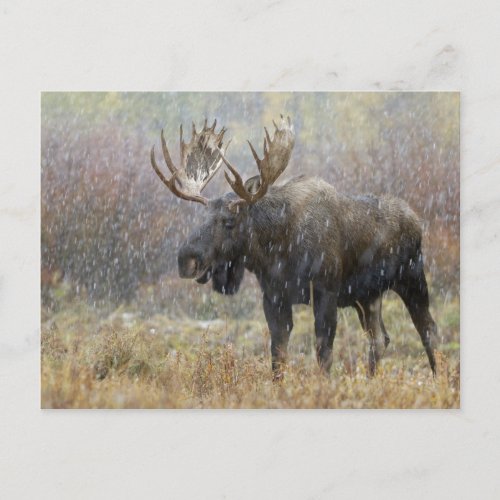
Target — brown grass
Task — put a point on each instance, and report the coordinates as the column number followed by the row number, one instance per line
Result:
column 123, row 360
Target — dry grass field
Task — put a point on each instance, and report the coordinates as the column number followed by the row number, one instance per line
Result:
column 132, row 357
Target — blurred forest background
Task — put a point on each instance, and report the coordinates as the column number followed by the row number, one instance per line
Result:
column 110, row 229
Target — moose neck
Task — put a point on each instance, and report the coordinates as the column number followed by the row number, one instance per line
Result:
column 268, row 230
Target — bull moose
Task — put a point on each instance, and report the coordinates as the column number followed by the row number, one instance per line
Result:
column 305, row 242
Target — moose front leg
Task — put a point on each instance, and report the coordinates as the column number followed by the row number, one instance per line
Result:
column 325, row 324
column 279, row 319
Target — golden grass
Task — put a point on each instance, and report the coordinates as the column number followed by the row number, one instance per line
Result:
column 123, row 360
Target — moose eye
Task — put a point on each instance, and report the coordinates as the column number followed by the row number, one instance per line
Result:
column 229, row 224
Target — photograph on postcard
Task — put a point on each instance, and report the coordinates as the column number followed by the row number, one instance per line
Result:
column 250, row 250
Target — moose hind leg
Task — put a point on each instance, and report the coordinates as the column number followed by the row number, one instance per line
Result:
column 387, row 339
column 279, row 319
column 415, row 295
column 370, row 316
column 325, row 325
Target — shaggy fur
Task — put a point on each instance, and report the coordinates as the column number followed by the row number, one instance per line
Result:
column 304, row 236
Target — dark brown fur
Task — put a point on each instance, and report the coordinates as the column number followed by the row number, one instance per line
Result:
column 305, row 235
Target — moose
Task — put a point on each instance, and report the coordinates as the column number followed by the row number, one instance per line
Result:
column 306, row 243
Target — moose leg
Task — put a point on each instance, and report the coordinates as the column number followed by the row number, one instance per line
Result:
column 415, row 295
column 325, row 325
column 279, row 319
column 370, row 316
column 387, row 339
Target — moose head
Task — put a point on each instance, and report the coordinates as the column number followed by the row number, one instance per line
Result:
column 218, row 249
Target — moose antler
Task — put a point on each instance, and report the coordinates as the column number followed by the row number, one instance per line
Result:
column 276, row 156
column 199, row 161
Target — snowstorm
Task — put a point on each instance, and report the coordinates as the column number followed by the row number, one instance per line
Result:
column 115, row 309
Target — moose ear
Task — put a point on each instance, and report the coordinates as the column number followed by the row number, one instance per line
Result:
column 252, row 185
column 227, row 277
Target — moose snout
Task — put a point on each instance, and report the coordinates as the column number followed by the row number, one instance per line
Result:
column 190, row 262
